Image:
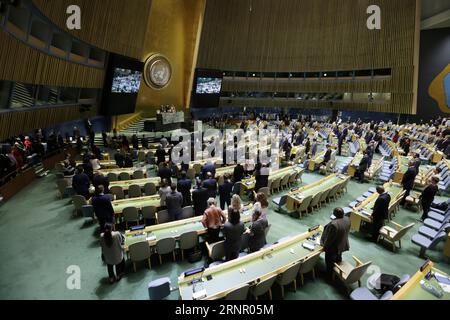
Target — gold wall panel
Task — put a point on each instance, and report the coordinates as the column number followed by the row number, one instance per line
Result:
column 117, row 26
column 21, row 63
column 172, row 32
column 315, row 35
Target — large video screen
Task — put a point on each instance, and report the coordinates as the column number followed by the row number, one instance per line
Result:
column 209, row 85
column 122, row 85
column 126, row 81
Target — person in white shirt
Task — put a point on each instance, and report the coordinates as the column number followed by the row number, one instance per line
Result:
column 95, row 163
column 164, row 190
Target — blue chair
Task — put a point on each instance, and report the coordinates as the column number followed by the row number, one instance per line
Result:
column 280, row 202
column 427, row 244
column 366, row 294
column 432, row 233
column 159, row 289
column 432, row 214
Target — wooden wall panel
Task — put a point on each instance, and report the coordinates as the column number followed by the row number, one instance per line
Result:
column 17, row 122
column 314, row 35
column 117, row 26
column 21, row 63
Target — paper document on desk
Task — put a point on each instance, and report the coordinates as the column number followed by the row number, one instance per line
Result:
column 443, row 281
column 366, row 213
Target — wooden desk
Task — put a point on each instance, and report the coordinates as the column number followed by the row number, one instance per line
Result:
column 316, row 161
column 105, row 164
column 220, row 172
column 250, row 183
column 258, row 266
column 353, row 166
column 412, row 290
column 118, row 171
column 174, row 229
column 447, row 247
column 357, row 215
column 125, row 184
column 120, row 205
column 295, row 199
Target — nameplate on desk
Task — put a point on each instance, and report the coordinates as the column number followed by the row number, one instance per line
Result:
column 199, row 295
column 308, row 246
column 136, row 228
column 366, row 213
column 151, row 238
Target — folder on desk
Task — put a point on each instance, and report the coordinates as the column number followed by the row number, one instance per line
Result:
column 366, row 213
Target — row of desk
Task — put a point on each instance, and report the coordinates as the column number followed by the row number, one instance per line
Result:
column 175, row 229
column 250, row 183
column 220, row 280
column 295, row 198
column 363, row 212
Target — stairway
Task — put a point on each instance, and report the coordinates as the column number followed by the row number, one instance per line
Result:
column 22, row 95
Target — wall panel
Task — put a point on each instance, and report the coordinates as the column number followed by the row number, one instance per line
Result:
column 117, row 26
column 18, row 122
column 314, row 35
column 21, row 63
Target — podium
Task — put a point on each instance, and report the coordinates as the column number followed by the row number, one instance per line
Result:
column 169, row 121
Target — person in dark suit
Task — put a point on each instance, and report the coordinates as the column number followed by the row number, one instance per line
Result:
column 184, row 186
column 257, row 231
column 211, row 185
column 314, row 148
column 120, row 159
column 174, row 203
column 380, row 212
column 87, row 168
column 144, row 142
column 101, row 180
column 80, row 183
column 427, row 196
column 238, row 173
column 408, row 181
column 128, row 161
column 417, row 162
column 335, row 239
column 327, row 156
column 363, row 166
column 340, row 143
column 165, row 172
column 102, row 207
column 135, row 142
column 370, row 152
column 233, row 231
column 105, row 139
column 261, row 177
column 209, row 167
column 225, row 190
column 307, row 146
column 199, row 198
column 160, row 155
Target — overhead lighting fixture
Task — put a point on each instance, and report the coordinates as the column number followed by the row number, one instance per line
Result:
column 324, row 74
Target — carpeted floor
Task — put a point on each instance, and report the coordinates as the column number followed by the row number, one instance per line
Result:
column 40, row 240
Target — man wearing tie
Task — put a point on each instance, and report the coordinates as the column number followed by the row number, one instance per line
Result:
column 335, row 239
column 380, row 212
column 408, row 181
